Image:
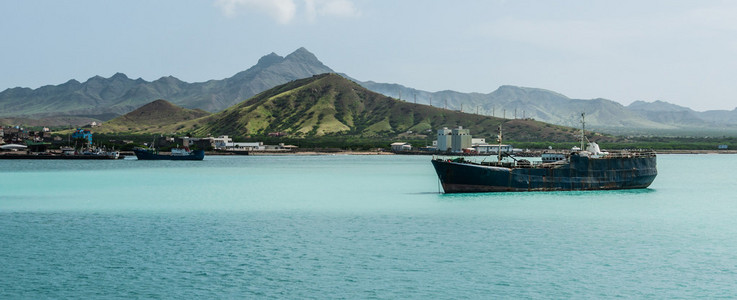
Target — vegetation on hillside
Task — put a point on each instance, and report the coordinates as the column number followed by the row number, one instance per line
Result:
column 329, row 111
column 159, row 116
column 330, row 105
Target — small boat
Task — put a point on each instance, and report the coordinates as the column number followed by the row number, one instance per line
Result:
column 176, row 154
column 98, row 152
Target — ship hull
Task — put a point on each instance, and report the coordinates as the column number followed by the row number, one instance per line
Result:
column 150, row 155
column 581, row 173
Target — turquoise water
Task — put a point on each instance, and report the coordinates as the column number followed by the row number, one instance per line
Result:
column 356, row 227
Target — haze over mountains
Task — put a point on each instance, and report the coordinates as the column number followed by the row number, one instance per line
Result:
column 104, row 98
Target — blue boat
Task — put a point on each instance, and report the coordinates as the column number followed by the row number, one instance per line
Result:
column 176, row 154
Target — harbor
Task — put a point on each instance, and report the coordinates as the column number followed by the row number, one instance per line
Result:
column 247, row 216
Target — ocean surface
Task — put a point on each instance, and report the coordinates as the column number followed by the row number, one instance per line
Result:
column 356, row 227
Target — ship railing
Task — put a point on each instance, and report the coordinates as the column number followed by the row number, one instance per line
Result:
column 632, row 153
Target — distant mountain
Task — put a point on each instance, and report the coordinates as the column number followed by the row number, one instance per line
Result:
column 104, row 98
column 660, row 106
column 522, row 102
column 605, row 115
column 720, row 116
column 158, row 116
column 330, row 104
column 667, row 113
column 117, row 95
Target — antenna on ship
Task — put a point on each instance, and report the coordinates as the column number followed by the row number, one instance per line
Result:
column 499, row 150
column 583, row 130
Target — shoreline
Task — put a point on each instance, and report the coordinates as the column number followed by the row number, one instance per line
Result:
column 348, row 152
column 696, row 151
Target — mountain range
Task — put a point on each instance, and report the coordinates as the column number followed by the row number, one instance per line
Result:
column 102, row 99
column 327, row 105
column 106, row 98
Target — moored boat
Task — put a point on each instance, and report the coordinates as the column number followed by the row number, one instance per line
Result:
column 176, row 154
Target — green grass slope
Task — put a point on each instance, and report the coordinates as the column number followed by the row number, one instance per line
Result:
column 331, row 105
column 159, row 116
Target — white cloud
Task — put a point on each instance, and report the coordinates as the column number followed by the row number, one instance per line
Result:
column 283, row 11
column 335, row 8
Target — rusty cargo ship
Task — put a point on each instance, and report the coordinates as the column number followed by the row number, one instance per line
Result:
column 580, row 169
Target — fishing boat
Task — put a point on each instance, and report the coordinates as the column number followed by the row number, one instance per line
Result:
column 175, row 154
column 584, row 168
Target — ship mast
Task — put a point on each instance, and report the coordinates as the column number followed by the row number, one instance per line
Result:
column 499, row 150
column 583, row 130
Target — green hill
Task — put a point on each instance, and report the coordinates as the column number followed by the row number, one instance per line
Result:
column 331, row 105
column 159, row 116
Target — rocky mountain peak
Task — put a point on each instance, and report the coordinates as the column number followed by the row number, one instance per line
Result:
column 303, row 55
column 269, row 59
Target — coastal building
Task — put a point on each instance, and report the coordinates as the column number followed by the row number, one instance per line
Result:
column 460, row 139
column 198, row 143
column 399, row 146
column 222, row 141
column 84, row 134
column 280, row 146
column 13, row 147
column 478, row 141
column 722, row 147
column 250, row 146
column 444, row 139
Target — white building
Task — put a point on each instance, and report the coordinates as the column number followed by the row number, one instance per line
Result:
column 444, row 139
column 460, row 139
column 245, row 146
column 222, row 141
column 399, row 146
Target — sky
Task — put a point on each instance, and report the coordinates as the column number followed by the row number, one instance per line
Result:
column 682, row 52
